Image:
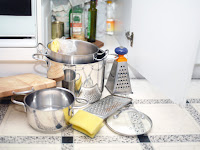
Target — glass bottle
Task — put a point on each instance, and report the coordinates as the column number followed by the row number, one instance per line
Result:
column 92, row 19
column 110, row 18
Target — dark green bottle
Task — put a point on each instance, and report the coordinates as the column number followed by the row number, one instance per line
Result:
column 92, row 19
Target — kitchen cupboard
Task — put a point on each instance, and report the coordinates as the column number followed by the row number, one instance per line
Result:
column 166, row 40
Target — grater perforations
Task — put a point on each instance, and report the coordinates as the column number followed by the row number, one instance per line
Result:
column 107, row 106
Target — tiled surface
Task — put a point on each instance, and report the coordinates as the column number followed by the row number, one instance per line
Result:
column 15, row 123
column 169, row 119
column 107, row 146
column 174, row 128
column 30, row 147
column 176, row 146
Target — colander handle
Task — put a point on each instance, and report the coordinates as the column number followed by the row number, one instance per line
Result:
column 106, row 52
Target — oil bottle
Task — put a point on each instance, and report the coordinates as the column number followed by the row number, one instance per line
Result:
column 92, row 19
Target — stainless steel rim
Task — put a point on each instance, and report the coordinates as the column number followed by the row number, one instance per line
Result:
column 27, row 106
column 74, row 55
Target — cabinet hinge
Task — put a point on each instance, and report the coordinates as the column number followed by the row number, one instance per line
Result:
column 130, row 37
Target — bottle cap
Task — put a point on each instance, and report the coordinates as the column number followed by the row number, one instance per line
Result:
column 109, row 2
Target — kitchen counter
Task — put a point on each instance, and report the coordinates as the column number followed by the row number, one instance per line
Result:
column 173, row 127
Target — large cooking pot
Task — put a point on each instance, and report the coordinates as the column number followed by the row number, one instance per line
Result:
column 91, row 74
column 49, row 110
column 85, row 52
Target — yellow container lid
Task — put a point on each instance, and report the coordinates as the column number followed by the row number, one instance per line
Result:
column 109, row 2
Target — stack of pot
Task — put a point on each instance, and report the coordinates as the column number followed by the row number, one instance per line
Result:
column 83, row 71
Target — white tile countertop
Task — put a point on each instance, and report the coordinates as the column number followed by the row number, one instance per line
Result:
column 174, row 128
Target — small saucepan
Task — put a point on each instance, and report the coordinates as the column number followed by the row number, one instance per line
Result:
column 49, row 110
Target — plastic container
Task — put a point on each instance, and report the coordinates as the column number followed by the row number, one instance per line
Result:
column 110, row 18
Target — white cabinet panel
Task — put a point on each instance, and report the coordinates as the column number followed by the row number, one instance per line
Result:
column 166, row 40
column 122, row 20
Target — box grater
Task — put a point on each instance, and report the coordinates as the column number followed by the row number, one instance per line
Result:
column 108, row 106
column 118, row 81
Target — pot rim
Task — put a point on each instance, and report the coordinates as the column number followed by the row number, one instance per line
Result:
column 26, row 105
column 73, row 55
column 76, row 64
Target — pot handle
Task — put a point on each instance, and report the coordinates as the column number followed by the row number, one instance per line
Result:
column 18, row 103
column 78, row 107
column 106, row 52
column 21, row 93
column 35, row 56
column 24, row 92
column 43, row 47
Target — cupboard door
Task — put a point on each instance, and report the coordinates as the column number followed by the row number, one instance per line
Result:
column 122, row 20
column 166, row 41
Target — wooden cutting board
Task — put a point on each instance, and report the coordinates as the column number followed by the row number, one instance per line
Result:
column 23, row 82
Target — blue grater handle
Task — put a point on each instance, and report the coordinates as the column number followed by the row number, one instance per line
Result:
column 121, row 50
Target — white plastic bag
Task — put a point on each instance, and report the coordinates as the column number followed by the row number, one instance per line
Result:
column 101, row 18
column 66, row 46
column 61, row 10
column 78, row 2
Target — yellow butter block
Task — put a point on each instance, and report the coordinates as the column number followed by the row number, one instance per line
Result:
column 55, row 46
column 86, row 123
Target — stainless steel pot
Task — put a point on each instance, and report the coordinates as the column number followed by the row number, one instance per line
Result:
column 91, row 83
column 85, row 53
column 49, row 110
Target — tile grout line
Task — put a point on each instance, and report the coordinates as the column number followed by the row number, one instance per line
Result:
column 193, row 112
column 175, row 138
column 145, row 143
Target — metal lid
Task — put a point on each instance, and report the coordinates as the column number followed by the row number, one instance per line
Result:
column 129, row 122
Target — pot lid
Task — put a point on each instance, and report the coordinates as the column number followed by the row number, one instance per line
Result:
column 129, row 122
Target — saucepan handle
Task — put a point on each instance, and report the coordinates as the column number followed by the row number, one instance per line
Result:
column 85, row 105
column 21, row 93
column 106, row 52
column 24, row 92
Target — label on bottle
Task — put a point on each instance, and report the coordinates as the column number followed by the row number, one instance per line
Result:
column 76, row 23
column 89, row 24
column 110, row 25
